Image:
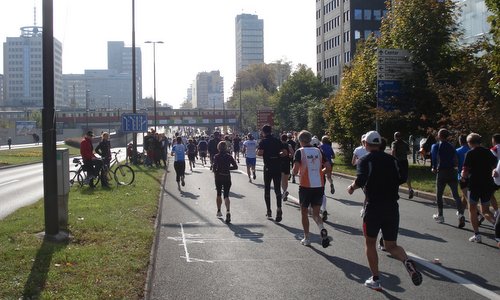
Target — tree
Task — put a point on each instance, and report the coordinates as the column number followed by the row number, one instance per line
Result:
column 294, row 97
column 351, row 111
column 251, row 101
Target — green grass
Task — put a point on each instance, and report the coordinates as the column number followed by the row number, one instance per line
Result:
column 28, row 155
column 107, row 257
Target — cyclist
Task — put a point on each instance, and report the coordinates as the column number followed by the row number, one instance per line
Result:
column 91, row 163
column 104, row 150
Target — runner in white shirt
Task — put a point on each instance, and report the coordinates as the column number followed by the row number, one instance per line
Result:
column 249, row 148
column 359, row 151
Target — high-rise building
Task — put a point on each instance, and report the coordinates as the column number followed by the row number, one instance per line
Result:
column 1, row 90
column 23, row 71
column 120, row 60
column 208, row 90
column 473, row 20
column 339, row 26
column 249, row 41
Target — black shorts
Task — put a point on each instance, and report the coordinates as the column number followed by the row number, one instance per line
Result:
column 386, row 219
column 311, row 196
column 463, row 184
column 203, row 153
column 223, row 184
column 285, row 168
column 191, row 156
column 403, row 166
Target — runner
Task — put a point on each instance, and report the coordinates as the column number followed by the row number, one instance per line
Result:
column 293, row 144
column 202, row 150
column 327, row 151
column 478, row 165
column 311, row 165
column 212, row 147
column 285, row 168
column 271, row 149
column 236, row 147
column 223, row 163
column 191, row 152
column 378, row 173
column 249, row 148
column 400, row 150
column 359, row 152
column 179, row 152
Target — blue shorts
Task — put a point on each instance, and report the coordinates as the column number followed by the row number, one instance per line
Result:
column 251, row 161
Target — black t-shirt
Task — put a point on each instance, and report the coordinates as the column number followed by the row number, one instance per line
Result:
column 212, row 146
column 292, row 143
column 379, row 173
column 480, row 163
column 191, row 148
column 272, row 148
column 236, row 144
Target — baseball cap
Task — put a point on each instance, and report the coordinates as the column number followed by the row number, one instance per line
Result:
column 90, row 133
column 373, row 138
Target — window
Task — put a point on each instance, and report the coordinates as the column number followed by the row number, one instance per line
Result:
column 358, row 14
column 377, row 14
column 367, row 33
column 367, row 14
column 357, row 34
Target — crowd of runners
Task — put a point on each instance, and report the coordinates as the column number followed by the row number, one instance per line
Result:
column 379, row 174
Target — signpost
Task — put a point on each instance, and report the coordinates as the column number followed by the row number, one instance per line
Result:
column 134, row 123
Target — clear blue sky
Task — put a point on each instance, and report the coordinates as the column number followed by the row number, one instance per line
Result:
column 198, row 35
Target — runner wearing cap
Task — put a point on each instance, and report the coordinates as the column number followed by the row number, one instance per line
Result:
column 380, row 176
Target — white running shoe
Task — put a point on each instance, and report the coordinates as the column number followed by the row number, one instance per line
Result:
column 476, row 238
column 305, row 242
column 373, row 284
column 219, row 214
column 439, row 219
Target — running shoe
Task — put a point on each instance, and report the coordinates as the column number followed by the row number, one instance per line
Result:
column 325, row 240
column 269, row 215
column 461, row 220
column 284, row 197
column 439, row 219
column 480, row 219
column 305, row 242
column 410, row 193
column 254, row 177
column 332, row 189
column 228, row 218
column 279, row 215
column 373, row 284
column 293, row 179
column 182, row 181
column 476, row 238
column 324, row 215
column 219, row 214
column 415, row 275
column 249, row 179
column 381, row 246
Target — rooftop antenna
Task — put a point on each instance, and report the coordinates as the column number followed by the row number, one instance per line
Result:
column 34, row 13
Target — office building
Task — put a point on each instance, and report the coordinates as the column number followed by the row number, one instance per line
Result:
column 473, row 20
column 208, row 90
column 340, row 24
column 23, row 72
column 1, row 90
column 120, row 60
column 249, row 41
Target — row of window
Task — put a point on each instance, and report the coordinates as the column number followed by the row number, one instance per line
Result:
column 357, row 34
column 334, row 42
column 331, row 6
column 24, row 42
column 21, row 49
column 369, row 14
column 333, row 61
column 333, row 23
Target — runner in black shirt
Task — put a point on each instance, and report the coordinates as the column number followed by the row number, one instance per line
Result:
column 380, row 176
column 271, row 149
column 223, row 163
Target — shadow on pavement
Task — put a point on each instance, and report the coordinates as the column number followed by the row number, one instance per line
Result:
column 189, row 195
column 349, row 202
column 241, row 231
column 418, row 235
column 345, row 229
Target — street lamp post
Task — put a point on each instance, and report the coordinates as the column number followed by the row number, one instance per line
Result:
column 154, row 76
column 87, row 92
column 240, row 129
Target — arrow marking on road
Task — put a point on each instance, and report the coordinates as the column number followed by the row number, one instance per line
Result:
column 9, row 182
column 452, row 276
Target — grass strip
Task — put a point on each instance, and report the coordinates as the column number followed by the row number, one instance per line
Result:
column 107, row 257
column 28, row 155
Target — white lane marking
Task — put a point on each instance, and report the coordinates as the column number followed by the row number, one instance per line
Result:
column 452, row 276
column 293, row 199
column 9, row 182
column 184, row 243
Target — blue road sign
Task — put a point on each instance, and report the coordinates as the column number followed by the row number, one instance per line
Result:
column 134, row 122
column 387, row 92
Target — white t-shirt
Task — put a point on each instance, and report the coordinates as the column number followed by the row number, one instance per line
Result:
column 250, row 148
column 497, row 179
column 360, row 152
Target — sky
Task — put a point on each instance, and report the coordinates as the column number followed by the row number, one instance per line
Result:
column 198, row 36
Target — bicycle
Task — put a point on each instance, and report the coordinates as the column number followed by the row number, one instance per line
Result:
column 80, row 175
column 122, row 173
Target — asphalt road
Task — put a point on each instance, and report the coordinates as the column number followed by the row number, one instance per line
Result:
column 200, row 257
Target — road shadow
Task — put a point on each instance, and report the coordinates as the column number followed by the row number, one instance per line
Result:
column 345, row 229
column 189, row 195
column 241, row 231
column 184, row 204
column 297, row 233
column 37, row 278
column 349, row 202
column 418, row 235
column 237, row 196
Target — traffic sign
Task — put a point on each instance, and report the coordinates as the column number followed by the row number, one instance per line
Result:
column 393, row 64
column 387, row 92
column 134, row 122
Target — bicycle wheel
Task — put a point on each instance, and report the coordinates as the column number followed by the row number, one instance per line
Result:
column 124, row 175
column 73, row 178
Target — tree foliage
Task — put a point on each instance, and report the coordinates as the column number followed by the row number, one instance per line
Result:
column 492, row 48
column 291, row 103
